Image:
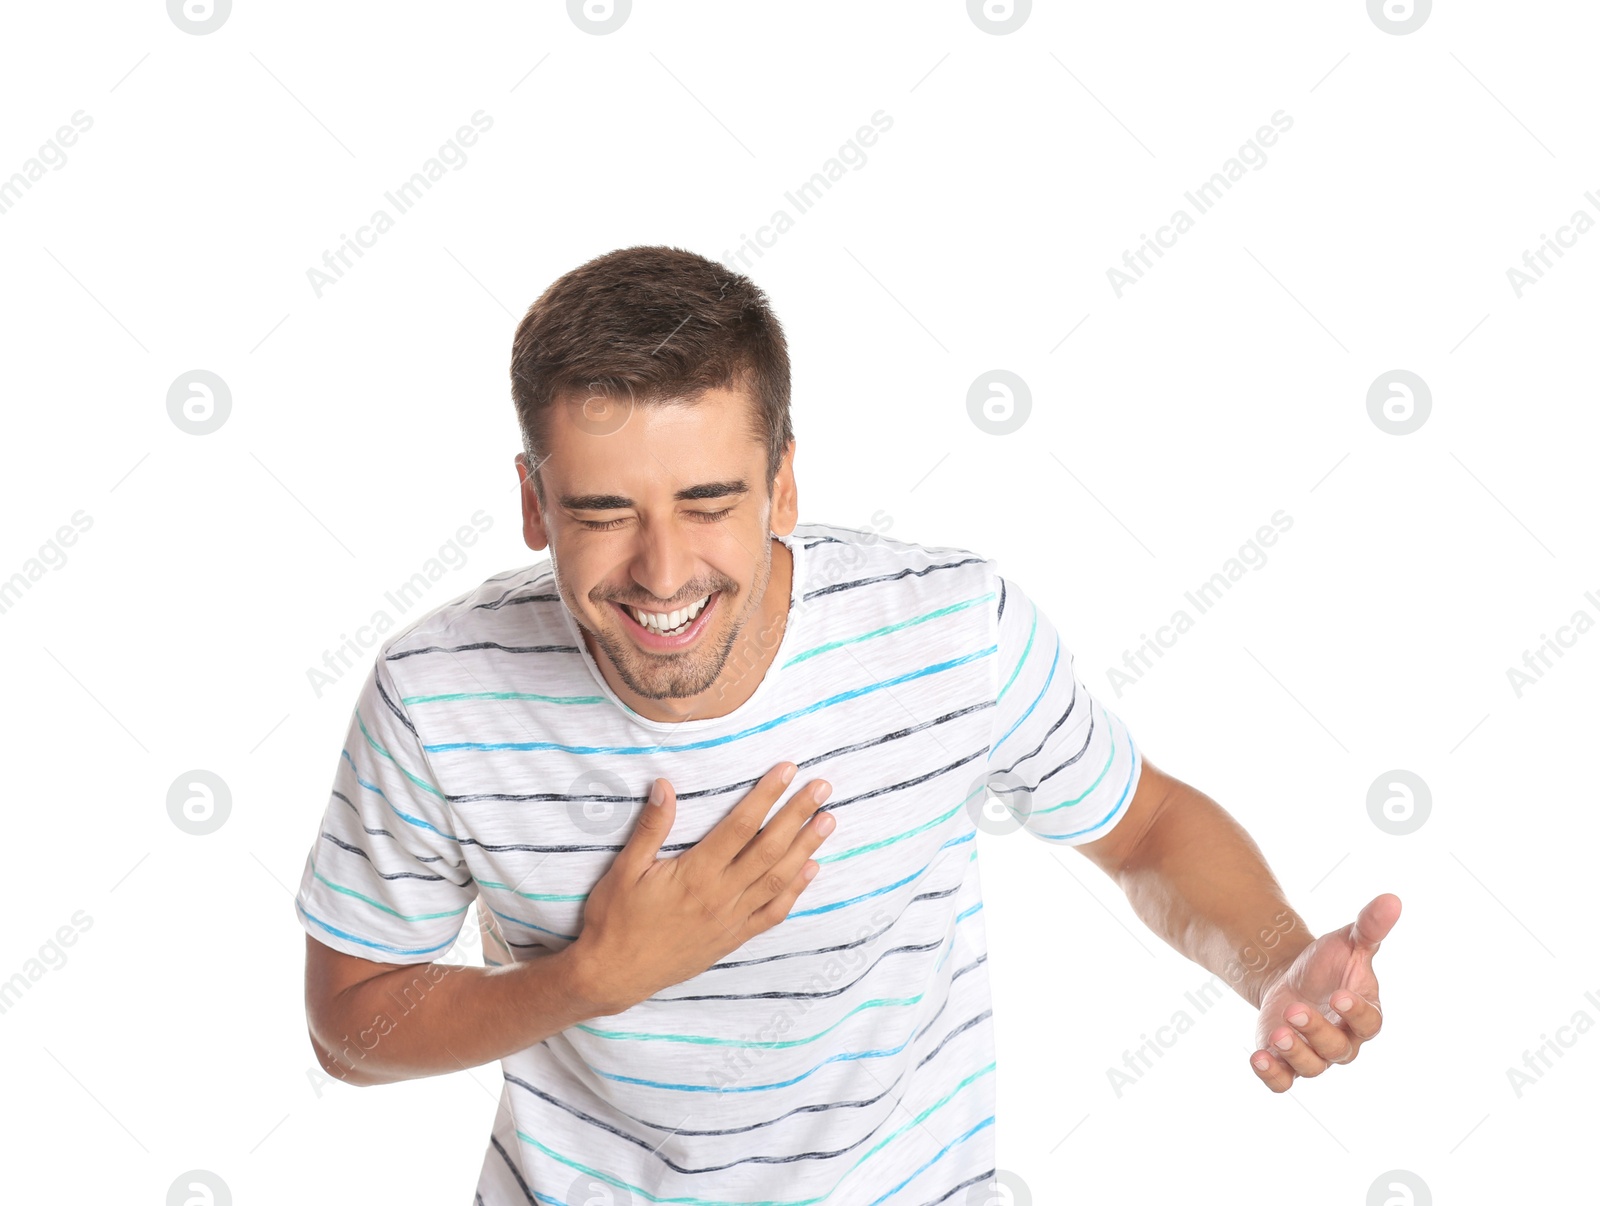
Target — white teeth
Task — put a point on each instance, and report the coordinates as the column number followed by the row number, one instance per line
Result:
column 667, row 622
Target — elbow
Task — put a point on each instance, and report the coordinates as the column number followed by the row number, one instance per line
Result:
column 339, row 1067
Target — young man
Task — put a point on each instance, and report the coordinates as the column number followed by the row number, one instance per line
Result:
column 713, row 778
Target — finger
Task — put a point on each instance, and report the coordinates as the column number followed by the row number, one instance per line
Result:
column 650, row 829
column 743, row 822
column 780, row 875
column 1293, row 1050
column 777, row 909
column 1325, row 1038
column 765, row 849
column 1272, row 1071
column 1375, row 921
column 1362, row 1017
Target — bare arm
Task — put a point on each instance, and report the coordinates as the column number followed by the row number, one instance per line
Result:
column 1195, row 877
column 648, row 923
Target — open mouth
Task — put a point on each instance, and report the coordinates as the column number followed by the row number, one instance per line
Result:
column 667, row 629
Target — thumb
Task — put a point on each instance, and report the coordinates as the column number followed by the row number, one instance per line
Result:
column 650, row 828
column 1375, row 921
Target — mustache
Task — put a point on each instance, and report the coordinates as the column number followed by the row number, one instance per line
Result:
column 652, row 605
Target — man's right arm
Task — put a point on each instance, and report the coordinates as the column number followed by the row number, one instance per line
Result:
column 376, row 1023
column 647, row 924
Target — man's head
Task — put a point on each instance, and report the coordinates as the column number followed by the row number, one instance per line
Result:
column 652, row 389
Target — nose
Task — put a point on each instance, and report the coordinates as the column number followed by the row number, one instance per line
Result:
column 663, row 561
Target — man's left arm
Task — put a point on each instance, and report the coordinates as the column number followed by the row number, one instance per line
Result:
column 1195, row 877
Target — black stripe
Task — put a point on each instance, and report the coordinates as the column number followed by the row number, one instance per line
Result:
column 816, row 1108
column 589, row 847
column 958, row 1187
column 395, row 657
column 776, row 995
column 343, row 845
column 505, row 602
column 909, row 573
column 1060, row 720
column 999, row 615
column 511, row 1164
column 377, row 681
column 741, row 785
column 936, row 894
column 421, row 858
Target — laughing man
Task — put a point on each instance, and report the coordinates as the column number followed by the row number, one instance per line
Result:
column 713, row 779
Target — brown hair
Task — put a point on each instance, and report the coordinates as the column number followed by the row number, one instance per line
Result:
column 651, row 325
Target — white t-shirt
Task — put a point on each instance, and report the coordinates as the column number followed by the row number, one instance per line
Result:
column 846, row 1055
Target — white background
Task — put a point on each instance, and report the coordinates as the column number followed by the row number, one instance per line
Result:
column 371, row 422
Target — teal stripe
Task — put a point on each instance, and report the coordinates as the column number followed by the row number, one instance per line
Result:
column 554, row 897
column 378, row 904
column 408, row 700
column 1025, row 650
column 898, row 837
column 427, row 787
column 640, row 1192
column 1088, row 791
column 878, row 632
column 705, row 1040
column 841, row 697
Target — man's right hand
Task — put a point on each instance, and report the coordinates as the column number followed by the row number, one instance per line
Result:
column 652, row 922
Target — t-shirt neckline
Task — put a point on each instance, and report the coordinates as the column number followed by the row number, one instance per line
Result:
column 797, row 553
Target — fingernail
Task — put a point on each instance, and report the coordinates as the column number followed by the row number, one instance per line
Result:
column 1262, row 1063
column 1298, row 1019
column 656, row 794
column 788, row 774
column 1285, row 1043
column 824, row 791
column 1343, row 1003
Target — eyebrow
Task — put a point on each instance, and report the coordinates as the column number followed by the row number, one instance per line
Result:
column 620, row 502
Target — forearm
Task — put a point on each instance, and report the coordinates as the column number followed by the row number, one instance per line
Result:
column 1199, row 881
column 432, row 1018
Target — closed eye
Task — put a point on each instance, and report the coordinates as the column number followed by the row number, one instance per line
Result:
column 607, row 525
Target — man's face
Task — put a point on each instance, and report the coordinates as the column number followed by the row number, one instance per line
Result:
column 668, row 513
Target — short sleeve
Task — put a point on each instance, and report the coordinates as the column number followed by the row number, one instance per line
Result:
column 1061, row 760
column 385, row 880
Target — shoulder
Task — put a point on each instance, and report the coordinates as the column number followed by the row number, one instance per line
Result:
column 513, row 609
column 868, row 564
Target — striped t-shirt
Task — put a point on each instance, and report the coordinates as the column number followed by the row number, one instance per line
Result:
column 845, row 1055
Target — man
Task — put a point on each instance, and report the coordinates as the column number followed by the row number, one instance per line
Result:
column 713, row 778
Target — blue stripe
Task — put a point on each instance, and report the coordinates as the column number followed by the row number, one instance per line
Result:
column 839, row 904
column 938, row 1155
column 1054, row 662
column 936, row 668
column 404, row 816
column 1127, row 789
column 528, row 925
column 377, row 946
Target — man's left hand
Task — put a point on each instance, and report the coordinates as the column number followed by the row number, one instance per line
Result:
column 1322, row 1007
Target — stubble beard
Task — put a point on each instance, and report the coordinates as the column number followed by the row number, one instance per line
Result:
column 681, row 675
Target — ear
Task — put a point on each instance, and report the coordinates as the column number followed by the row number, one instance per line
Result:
column 534, row 533
column 785, row 500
